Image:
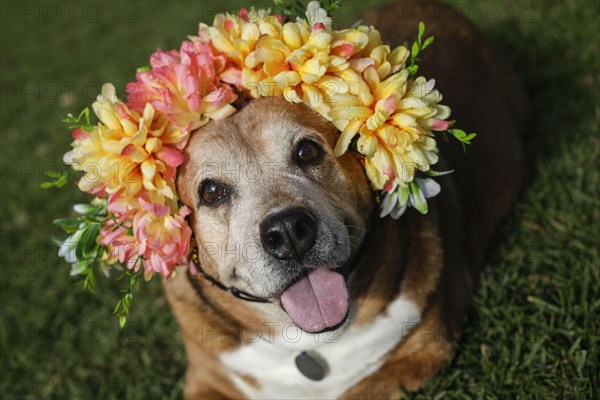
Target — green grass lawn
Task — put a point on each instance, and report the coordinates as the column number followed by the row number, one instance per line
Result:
column 534, row 328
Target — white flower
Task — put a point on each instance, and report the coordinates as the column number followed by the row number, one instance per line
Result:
column 415, row 194
column 83, row 209
column 315, row 14
column 67, row 249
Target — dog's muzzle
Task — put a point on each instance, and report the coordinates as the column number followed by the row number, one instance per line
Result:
column 289, row 234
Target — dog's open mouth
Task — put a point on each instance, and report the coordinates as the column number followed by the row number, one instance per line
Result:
column 317, row 301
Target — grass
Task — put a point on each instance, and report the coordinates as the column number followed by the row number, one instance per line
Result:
column 533, row 330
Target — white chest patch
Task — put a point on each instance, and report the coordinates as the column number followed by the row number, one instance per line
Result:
column 350, row 356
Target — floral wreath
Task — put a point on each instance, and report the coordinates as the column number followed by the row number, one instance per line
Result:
column 129, row 159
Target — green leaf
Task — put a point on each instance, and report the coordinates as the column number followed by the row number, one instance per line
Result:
column 458, row 133
column 68, row 225
column 470, row 137
column 89, row 283
column 418, row 199
column 85, row 209
column 145, row 68
column 300, row 10
column 332, row 6
column 428, row 42
column 54, row 174
column 124, row 304
column 122, row 321
column 412, row 70
column 90, row 245
column 462, row 136
column 117, row 307
column 60, row 181
column 77, row 123
column 87, row 243
column 403, row 195
column 415, row 50
column 80, row 267
column 434, row 173
column 421, row 31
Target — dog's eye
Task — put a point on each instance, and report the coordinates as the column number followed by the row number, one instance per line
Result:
column 308, row 152
column 211, row 191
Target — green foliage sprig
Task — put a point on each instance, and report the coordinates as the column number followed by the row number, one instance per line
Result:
column 59, row 179
column 87, row 256
column 83, row 230
column 462, row 137
column 78, row 123
column 417, row 47
column 123, row 305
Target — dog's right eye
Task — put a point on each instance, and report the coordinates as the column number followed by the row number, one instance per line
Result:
column 307, row 153
column 211, row 192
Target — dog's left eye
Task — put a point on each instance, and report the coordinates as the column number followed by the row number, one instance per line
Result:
column 308, row 152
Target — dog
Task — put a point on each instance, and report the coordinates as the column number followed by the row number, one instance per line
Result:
column 358, row 306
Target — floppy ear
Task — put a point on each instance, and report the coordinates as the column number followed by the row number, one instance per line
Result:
column 187, row 175
column 364, row 196
column 189, row 172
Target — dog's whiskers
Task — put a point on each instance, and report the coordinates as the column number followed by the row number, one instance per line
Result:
column 361, row 229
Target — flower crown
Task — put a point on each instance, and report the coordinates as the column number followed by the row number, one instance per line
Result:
column 129, row 159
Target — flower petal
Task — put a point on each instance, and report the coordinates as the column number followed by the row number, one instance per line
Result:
column 171, row 157
column 429, row 187
column 346, row 137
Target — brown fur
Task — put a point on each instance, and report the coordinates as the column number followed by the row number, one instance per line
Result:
column 433, row 259
column 485, row 97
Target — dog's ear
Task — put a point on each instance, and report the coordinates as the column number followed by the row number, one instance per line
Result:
column 203, row 141
column 352, row 163
column 183, row 190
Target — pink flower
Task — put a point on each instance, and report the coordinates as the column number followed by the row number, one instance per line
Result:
column 243, row 14
column 185, row 85
column 121, row 246
column 164, row 239
column 437, row 124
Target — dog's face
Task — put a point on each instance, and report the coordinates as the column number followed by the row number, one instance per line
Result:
column 273, row 206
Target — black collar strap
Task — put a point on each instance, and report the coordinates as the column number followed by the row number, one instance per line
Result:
column 233, row 290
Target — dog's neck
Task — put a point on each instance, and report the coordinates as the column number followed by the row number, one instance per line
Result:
column 370, row 284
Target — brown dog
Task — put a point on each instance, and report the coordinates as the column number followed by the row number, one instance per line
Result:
column 275, row 210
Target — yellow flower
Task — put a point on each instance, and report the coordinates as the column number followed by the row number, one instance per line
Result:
column 128, row 155
column 349, row 76
column 395, row 126
column 231, row 35
column 290, row 59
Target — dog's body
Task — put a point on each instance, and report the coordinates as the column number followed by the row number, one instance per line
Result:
column 410, row 279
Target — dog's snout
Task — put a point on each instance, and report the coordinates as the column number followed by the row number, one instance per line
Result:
column 289, row 234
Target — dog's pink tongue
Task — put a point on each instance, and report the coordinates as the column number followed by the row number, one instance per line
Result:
column 317, row 301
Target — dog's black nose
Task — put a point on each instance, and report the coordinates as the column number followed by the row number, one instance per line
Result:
column 289, row 234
